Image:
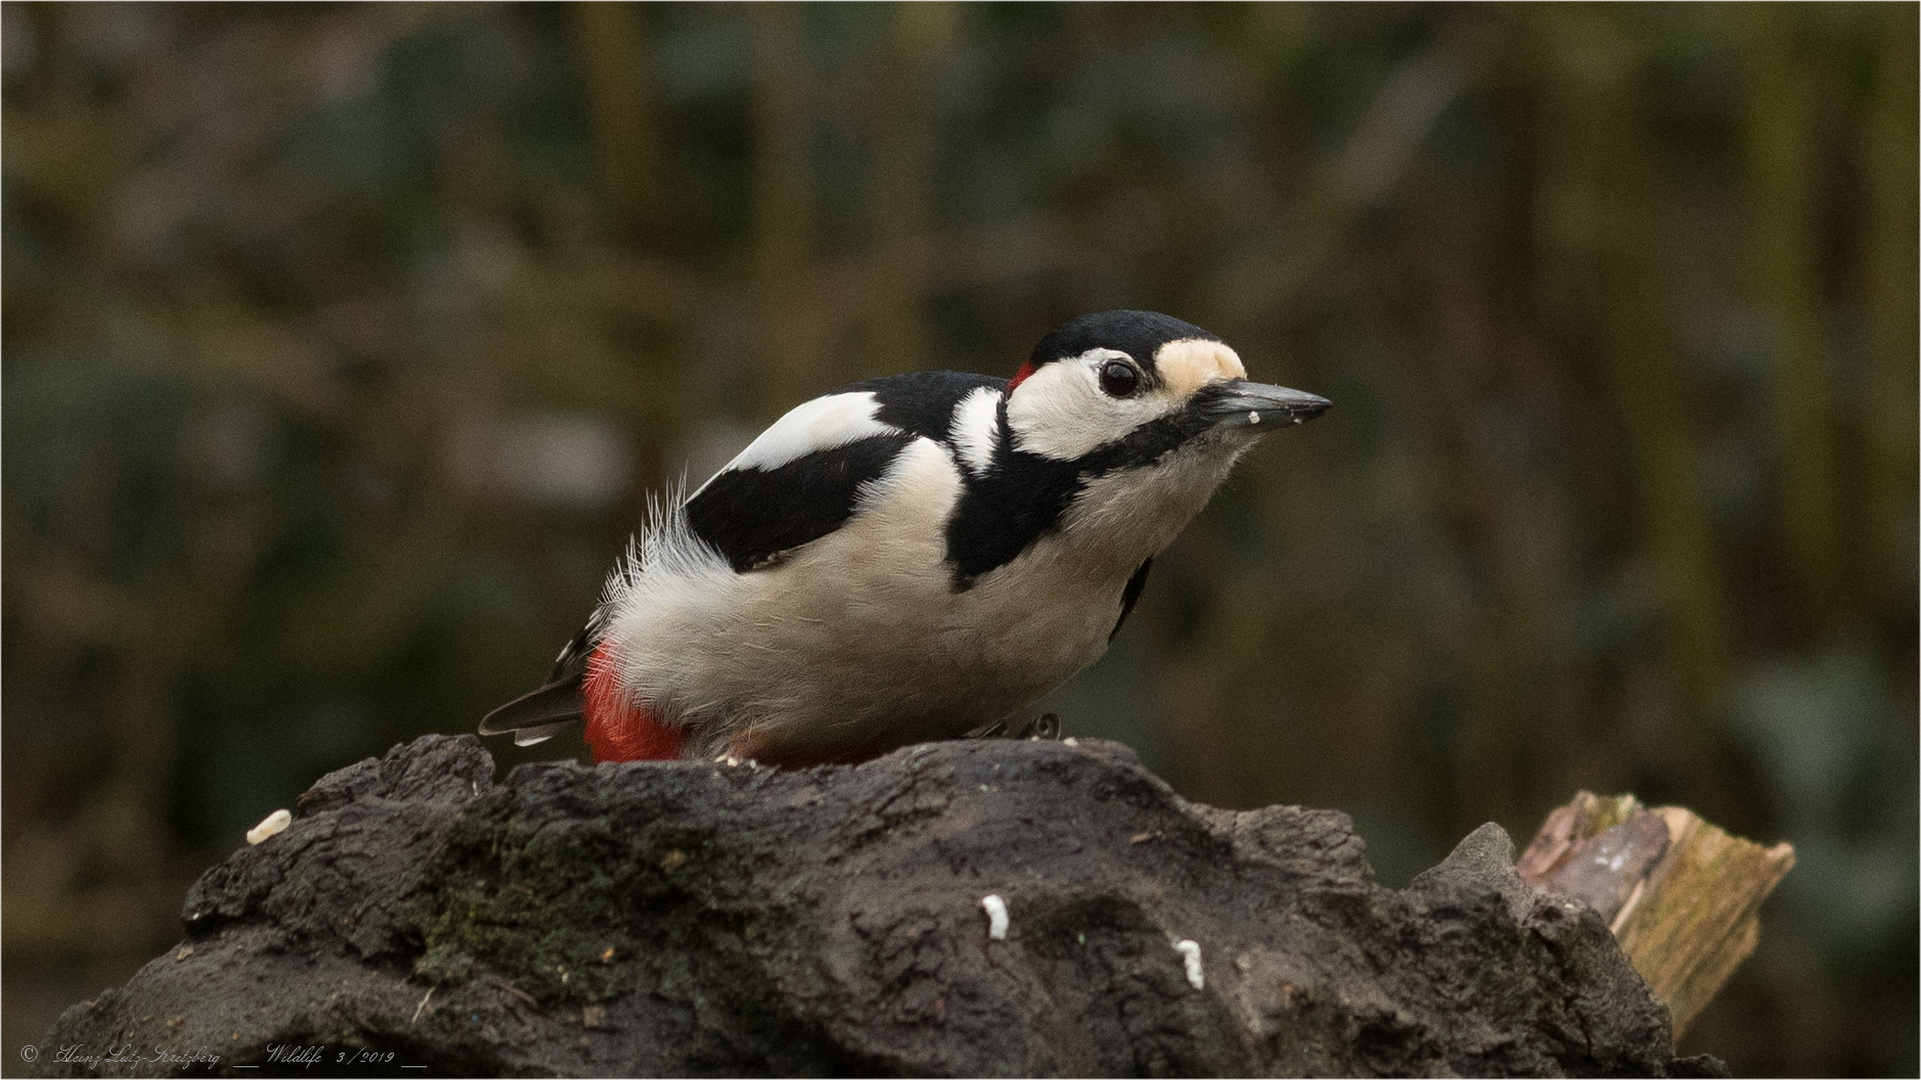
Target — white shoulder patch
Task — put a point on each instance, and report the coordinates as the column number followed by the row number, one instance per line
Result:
column 820, row 424
column 976, row 428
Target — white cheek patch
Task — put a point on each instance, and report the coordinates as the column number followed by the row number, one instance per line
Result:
column 820, row 424
column 976, row 428
column 1060, row 412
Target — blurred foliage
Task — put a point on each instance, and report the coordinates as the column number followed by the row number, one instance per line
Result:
column 343, row 342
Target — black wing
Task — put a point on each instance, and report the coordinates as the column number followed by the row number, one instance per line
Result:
column 922, row 402
column 1131, row 595
column 752, row 515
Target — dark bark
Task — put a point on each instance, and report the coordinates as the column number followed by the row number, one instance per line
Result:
column 701, row 919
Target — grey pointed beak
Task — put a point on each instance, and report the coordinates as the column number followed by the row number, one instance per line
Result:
column 1258, row 406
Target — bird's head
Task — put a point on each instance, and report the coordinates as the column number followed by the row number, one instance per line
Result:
column 1134, row 386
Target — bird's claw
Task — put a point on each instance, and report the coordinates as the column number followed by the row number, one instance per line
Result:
column 1045, row 726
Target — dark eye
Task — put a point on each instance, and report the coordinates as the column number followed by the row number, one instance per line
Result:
column 1119, row 379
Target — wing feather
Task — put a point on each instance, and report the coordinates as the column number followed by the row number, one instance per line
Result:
column 1131, row 595
column 801, row 479
column 753, row 516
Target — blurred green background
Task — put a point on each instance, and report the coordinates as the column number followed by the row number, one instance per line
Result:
column 342, row 344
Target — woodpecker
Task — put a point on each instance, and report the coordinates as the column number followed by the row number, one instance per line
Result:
column 908, row 558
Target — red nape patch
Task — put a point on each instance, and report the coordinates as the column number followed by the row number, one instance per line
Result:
column 1020, row 376
column 618, row 730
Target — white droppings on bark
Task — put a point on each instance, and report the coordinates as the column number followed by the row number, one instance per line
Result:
column 1190, row 951
column 996, row 917
column 274, row 824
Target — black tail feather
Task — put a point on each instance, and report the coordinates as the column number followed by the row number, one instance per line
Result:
column 540, row 714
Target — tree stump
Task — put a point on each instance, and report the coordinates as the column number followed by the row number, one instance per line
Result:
column 686, row 918
column 1681, row 895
